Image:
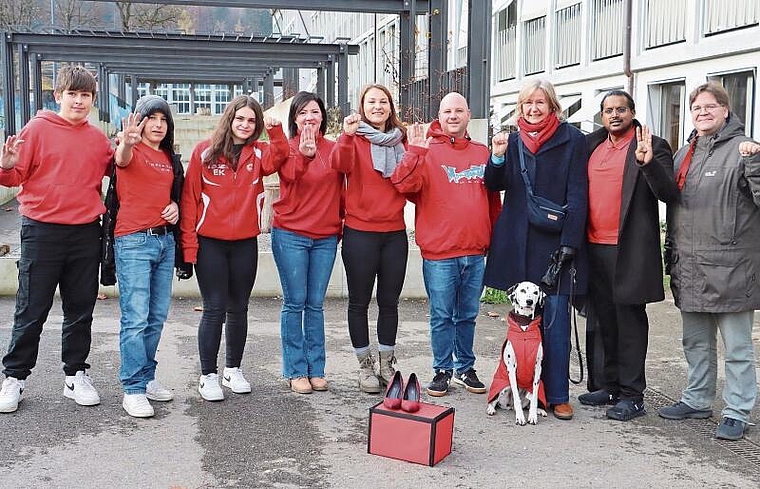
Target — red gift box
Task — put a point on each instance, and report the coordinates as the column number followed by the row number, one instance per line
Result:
column 422, row 437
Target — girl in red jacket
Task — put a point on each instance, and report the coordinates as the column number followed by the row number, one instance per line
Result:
column 374, row 237
column 221, row 206
column 307, row 222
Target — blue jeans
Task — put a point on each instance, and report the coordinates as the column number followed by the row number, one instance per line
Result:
column 453, row 286
column 555, row 336
column 144, row 270
column 304, row 265
column 700, row 348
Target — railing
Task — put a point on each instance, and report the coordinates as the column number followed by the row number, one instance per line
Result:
column 534, row 47
column 567, row 45
column 505, row 59
column 665, row 22
column 419, row 94
column 725, row 15
column 608, row 28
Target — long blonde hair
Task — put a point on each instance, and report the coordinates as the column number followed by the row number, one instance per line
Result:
column 551, row 96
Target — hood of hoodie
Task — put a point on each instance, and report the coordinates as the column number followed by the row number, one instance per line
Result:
column 54, row 118
column 436, row 132
column 150, row 104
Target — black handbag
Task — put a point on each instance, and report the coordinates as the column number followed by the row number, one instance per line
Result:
column 543, row 213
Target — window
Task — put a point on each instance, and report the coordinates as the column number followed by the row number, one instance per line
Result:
column 534, row 46
column 726, row 15
column 221, row 98
column 608, row 28
column 505, row 53
column 567, row 43
column 180, row 96
column 741, row 95
column 202, row 98
column 666, row 107
column 665, row 22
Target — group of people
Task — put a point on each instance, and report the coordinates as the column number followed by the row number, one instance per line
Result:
column 601, row 241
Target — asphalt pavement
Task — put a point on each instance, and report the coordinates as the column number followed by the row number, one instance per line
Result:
column 273, row 438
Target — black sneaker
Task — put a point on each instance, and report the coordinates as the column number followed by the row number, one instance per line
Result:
column 626, row 410
column 440, row 384
column 470, row 382
column 600, row 397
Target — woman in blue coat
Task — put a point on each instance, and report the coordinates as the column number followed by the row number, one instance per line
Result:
column 555, row 156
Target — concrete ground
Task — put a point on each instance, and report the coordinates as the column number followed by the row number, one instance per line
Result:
column 273, row 438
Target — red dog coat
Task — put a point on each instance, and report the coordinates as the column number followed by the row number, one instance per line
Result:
column 525, row 344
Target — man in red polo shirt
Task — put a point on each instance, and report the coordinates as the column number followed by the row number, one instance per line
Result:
column 629, row 170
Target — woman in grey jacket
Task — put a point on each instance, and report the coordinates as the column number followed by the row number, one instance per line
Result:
column 713, row 258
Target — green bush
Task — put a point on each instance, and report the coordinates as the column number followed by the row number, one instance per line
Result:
column 494, row 296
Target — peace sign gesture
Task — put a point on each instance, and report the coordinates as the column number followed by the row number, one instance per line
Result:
column 644, row 153
column 308, row 144
column 131, row 128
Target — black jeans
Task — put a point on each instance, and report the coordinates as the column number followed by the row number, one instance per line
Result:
column 624, row 327
column 54, row 255
column 367, row 255
column 226, row 271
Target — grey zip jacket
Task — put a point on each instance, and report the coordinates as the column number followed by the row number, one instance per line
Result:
column 712, row 249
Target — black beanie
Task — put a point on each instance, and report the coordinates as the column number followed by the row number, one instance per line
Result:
column 149, row 104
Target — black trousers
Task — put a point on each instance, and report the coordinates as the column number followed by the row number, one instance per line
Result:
column 624, row 327
column 226, row 271
column 54, row 255
column 367, row 255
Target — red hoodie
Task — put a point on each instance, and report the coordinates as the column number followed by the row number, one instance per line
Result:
column 60, row 170
column 372, row 203
column 219, row 202
column 453, row 207
column 310, row 193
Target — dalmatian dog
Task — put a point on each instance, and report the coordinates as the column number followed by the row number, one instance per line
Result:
column 517, row 382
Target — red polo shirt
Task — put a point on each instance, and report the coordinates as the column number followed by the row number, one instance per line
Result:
column 605, row 184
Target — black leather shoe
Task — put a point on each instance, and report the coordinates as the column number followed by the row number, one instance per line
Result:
column 411, row 400
column 598, row 398
column 394, row 392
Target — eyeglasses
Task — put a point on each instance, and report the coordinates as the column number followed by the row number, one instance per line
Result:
column 618, row 110
column 708, row 108
column 537, row 103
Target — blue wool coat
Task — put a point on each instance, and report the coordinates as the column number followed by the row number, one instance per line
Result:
column 557, row 172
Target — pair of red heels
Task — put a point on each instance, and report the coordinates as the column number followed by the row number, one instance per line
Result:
column 404, row 396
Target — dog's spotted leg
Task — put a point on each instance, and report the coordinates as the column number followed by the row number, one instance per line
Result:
column 511, row 362
column 533, row 412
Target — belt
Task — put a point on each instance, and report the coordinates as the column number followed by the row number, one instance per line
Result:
column 157, row 231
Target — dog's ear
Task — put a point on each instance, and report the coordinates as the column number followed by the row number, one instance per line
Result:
column 541, row 297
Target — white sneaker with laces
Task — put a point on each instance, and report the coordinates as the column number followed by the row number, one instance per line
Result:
column 209, row 389
column 137, row 406
column 79, row 387
column 157, row 392
column 233, row 378
column 10, row 395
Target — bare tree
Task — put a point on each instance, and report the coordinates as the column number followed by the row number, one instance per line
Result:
column 72, row 14
column 147, row 16
column 17, row 15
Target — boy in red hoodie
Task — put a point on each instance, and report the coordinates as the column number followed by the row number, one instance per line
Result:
column 58, row 161
column 444, row 171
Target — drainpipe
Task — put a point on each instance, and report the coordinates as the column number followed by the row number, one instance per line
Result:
column 627, row 44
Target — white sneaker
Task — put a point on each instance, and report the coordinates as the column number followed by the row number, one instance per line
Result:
column 157, row 392
column 79, row 387
column 137, row 406
column 208, row 387
column 233, row 378
column 10, row 394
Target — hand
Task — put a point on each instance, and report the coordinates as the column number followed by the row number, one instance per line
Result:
column 308, row 144
column 270, row 122
column 170, row 213
column 351, row 124
column 499, row 144
column 184, row 271
column 131, row 130
column 644, row 153
column 749, row 148
column 9, row 152
column 416, row 135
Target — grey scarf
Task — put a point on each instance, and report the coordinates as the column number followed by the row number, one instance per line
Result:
column 386, row 147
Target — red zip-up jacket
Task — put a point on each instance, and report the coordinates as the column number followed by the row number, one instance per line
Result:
column 454, row 210
column 60, row 170
column 310, row 193
column 372, row 203
column 219, row 202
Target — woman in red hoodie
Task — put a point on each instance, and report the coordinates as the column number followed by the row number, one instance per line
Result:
column 307, row 222
column 374, row 236
column 221, row 206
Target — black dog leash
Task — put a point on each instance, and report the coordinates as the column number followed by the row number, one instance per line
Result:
column 575, row 326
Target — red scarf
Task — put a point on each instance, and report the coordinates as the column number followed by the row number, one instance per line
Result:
column 684, row 168
column 543, row 130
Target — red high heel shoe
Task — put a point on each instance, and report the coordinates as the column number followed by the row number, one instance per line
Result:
column 393, row 394
column 411, row 399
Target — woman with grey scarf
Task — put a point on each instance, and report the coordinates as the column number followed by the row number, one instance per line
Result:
column 374, row 234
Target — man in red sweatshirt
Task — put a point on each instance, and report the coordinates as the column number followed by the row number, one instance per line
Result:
column 443, row 174
column 58, row 161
